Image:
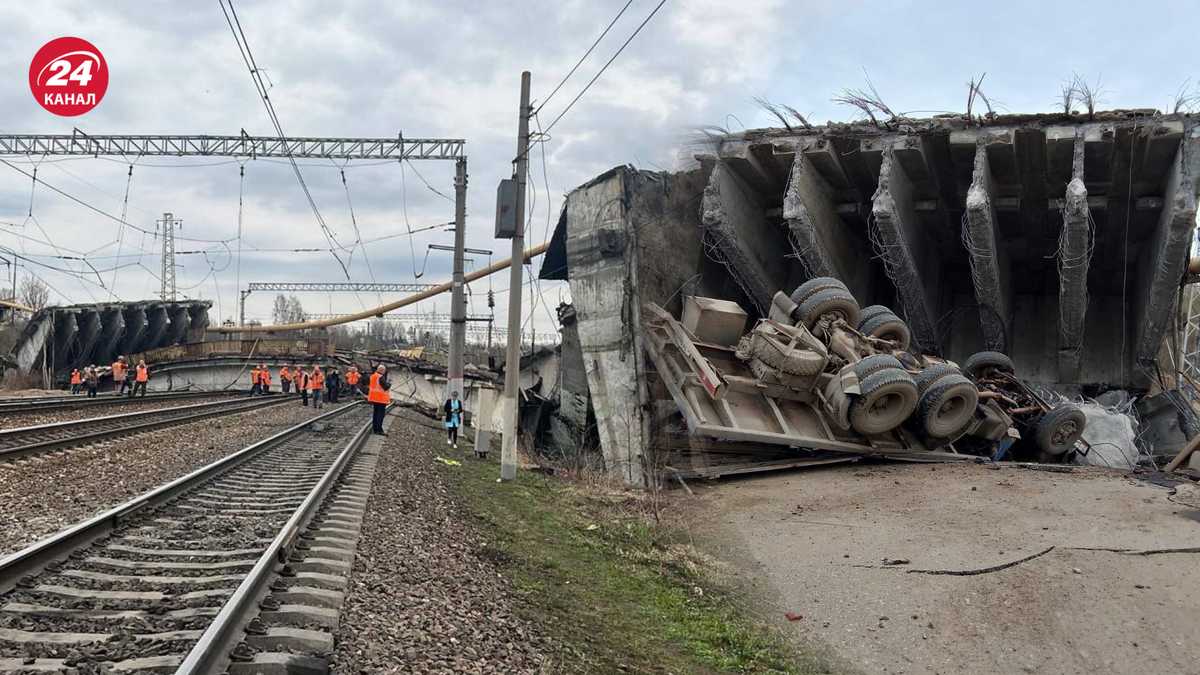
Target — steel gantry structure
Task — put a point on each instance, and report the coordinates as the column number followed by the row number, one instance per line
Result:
column 79, row 143
column 243, row 145
column 322, row 287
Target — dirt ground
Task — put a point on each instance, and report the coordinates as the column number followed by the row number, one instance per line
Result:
column 815, row 542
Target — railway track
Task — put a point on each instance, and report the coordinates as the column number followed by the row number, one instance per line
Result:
column 190, row 578
column 26, row 441
column 43, row 403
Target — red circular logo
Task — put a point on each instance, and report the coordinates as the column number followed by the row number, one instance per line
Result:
column 68, row 76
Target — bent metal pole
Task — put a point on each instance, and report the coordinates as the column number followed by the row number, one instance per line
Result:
column 530, row 253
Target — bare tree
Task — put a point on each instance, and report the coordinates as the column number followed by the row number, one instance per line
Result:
column 33, row 292
column 295, row 310
column 279, row 311
column 287, row 309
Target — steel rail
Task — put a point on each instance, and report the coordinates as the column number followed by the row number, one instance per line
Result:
column 37, row 556
column 36, row 404
column 142, row 420
column 211, row 653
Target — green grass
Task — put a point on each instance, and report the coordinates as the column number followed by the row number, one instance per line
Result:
column 616, row 592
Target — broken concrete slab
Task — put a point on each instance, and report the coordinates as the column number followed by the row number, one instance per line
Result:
column 909, row 255
column 989, row 262
column 1074, row 260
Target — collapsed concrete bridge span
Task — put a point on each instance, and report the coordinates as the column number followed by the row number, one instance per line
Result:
column 1060, row 240
column 58, row 339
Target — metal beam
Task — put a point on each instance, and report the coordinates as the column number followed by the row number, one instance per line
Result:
column 120, row 145
column 336, row 287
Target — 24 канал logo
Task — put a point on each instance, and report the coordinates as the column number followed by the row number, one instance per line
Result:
column 68, row 76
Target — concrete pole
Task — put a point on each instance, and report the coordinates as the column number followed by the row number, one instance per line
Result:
column 512, row 360
column 458, row 301
column 242, row 307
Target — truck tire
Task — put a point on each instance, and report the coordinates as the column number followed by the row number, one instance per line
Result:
column 829, row 301
column 872, row 310
column 886, row 326
column 931, row 374
column 1059, row 429
column 888, row 397
column 948, row 406
column 816, row 285
column 875, row 362
column 979, row 363
column 778, row 356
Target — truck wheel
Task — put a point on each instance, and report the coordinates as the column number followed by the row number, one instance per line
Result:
column 948, row 406
column 888, row 397
column 1058, row 429
column 837, row 301
column 979, row 363
column 875, row 362
column 816, row 285
column 886, row 326
column 931, row 374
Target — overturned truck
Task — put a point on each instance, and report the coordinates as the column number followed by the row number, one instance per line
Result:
column 1057, row 241
column 821, row 374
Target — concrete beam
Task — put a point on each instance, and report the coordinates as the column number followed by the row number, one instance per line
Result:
column 989, row 264
column 910, row 258
column 180, row 322
column 66, row 327
column 819, row 238
column 811, row 219
column 1073, row 261
column 135, row 328
column 156, row 329
column 32, row 345
column 735, row 226
column 1167, row 250
column 89, row 333
column 113, row 322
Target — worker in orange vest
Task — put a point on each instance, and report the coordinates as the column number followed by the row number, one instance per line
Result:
column 352, row 378
column 120, row 373
column 76, row 380
column 264, row 378
column 285, row 379
column 255, row 381
column 141, row 377
column 301, row 378
column 377, row 394
column 316, row 384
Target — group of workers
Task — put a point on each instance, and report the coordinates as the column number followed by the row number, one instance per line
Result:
column 89, row 378
column 325, row 386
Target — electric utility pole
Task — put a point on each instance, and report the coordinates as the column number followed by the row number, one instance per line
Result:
column 512, row 360
column 458, row 301
column 168, row 256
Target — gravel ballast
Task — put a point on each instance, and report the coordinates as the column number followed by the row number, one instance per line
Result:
column 53, row 415
column 422, row 597
column 46, row 493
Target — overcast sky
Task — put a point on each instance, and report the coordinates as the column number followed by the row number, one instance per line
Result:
column 452, row 69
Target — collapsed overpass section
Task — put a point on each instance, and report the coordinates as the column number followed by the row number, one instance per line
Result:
column 1060, row 240
column 59, row 339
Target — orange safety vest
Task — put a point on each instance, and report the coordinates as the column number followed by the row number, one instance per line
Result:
column 375, row 391
column 119, row 370
column 285, row 375
column 352, row 378
column 254, row 376
column 143, row 374
column 76, row 378
column 316, row 381
column 265, row 376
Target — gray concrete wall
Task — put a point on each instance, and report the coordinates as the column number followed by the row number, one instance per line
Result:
column 603, row 283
